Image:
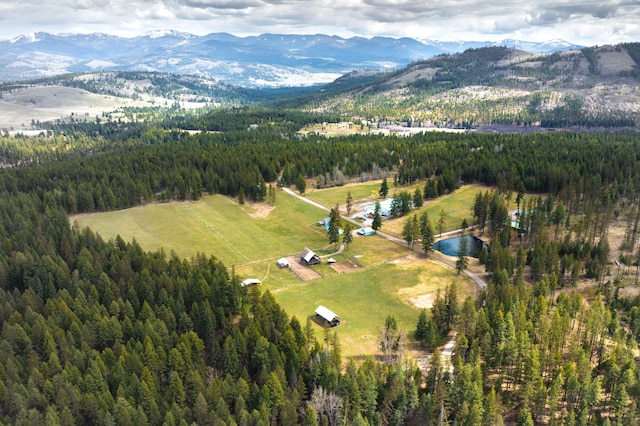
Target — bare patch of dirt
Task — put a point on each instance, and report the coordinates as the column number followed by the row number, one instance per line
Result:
column 408, row 259
column 424, row 301
column 303, row 272
column 261, row 210
column 348, row 265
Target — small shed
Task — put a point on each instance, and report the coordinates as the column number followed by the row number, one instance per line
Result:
column 309, row 258
column 250, row 282
column 366, row 231
column 325, row 222
column 283, row 263
column 325, row 315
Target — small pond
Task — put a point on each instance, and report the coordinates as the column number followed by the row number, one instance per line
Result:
column 451, row 246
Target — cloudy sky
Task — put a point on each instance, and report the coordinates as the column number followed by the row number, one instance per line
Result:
column 584, row 22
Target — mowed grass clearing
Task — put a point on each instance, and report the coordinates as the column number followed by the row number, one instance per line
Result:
column 366, row 251
column 386, row 282
column 215, row 225
column 364, row 298
column 329, row 197
column 457, row 207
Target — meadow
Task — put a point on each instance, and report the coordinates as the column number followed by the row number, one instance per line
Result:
column 236, row 234
column 383, row 278
column 457, row 207
column 364, row 298
column 367, row 191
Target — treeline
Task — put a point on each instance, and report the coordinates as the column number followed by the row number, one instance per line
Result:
column 534, row 351
column 146, row 163
column 245, row 118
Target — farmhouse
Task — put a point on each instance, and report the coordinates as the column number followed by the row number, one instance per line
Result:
column 385, row 208
column 309, row 258
column 325, row 315
column 250, row 282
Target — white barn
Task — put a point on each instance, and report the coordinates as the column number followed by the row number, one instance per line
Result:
column 328, row 316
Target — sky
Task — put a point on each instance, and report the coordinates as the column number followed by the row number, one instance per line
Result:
column 582, row 22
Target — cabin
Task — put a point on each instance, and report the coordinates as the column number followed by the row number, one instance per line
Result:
column 326, row 316
column 309, row 258
column 282, row 263
column 250, row 282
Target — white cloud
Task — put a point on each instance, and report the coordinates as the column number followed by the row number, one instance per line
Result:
column 582, row 21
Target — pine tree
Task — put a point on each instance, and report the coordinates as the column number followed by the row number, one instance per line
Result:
column 463, row 261
column 335, row 222
column 349, row 203
column 347, row 237
column 407, row 232
column 426, row 232
column 301, row 184
column 377, row 218
column 441, row 222
column 417, row 199
column 421, row 327
column 241, row 196
column 384, row 189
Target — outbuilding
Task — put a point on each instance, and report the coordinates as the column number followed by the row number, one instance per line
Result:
column 366, row 231
column 325, row 315
column 283, row 263
column 250, row 282
column 309, row 258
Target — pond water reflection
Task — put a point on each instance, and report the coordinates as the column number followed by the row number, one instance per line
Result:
column 451, row 246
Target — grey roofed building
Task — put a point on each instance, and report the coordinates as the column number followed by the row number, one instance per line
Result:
column 309, row 258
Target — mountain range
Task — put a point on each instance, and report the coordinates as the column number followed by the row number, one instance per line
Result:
column 267, row 60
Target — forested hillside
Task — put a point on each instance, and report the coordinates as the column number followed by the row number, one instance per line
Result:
column 97, row 331
column 591, row 87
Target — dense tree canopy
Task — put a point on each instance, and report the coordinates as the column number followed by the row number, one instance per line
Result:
column 97, row 331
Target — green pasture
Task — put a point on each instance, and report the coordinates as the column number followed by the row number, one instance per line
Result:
column 382, row 282
column 329, row 197
column 364, row 298
column 216, row 225
column 457, row 206
column 366, row 251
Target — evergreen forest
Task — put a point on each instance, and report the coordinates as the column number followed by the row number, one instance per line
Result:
column 104, row 332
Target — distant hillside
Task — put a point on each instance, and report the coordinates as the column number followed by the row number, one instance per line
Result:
column 268, row 60
column 594, row 87
column 117, row 95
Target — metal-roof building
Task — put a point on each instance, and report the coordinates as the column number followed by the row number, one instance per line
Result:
column 327, row 315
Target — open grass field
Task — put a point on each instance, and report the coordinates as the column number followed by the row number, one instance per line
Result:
column 331, row 196
column 374, row 278
column 216, row 225
column 366, row 297
column 44, row 103
column 366, row 251
column 457, row 206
